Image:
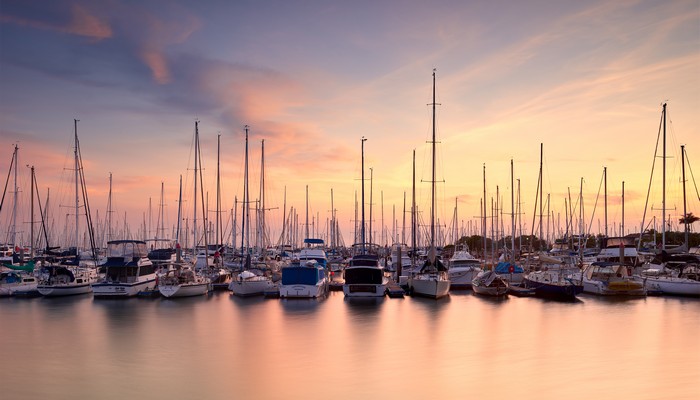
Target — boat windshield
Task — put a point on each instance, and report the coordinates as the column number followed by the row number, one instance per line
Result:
column 126, row 248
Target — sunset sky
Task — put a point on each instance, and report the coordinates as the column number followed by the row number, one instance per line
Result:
column 311, row 78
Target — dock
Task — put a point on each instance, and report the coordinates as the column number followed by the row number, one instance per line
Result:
column 394, row 291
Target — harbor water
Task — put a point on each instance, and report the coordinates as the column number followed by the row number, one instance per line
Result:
column 464, row 346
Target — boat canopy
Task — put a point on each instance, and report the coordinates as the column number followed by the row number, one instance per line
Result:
column 126, row 248
column 313, row 241
column 301, row 275
column 504, row 268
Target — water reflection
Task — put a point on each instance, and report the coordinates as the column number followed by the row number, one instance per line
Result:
column 466, row 346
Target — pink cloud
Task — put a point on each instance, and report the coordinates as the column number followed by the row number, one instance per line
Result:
column 157, row 63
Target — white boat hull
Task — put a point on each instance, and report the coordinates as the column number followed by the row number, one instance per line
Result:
column 364, row 290
column 429, row 287
column 19, row 288
column 245, row 288
column 123, row 290
column 629, row 288
column 673, row 286
column 185, row 289
column 304, row 291
column 461, row 278
column 490, row 291
column 68, row 289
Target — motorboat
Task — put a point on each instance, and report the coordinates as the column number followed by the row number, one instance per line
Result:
column 127, row 270
column 462, row 268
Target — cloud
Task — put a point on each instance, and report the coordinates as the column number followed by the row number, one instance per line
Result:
column 80, row 21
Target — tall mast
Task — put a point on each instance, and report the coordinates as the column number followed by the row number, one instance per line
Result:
column 623, row 208
column 31, row 225
column 244, row 203
column 371, row 176
column 483, row 224
column 413, row 210
column 363, row 140
column 14, row 205
column 306, row 232
column 178, row 248
column 262, row 196
column 685, row 210
column 663, row 193
column 75, row 150
column 605, row 196
column 219, row 239
column 196, row 159
column 109, row 210
column 512, row 211
column 541, row 184
column 432, row 182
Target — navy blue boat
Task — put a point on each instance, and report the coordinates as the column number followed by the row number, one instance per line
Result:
column 550, row 284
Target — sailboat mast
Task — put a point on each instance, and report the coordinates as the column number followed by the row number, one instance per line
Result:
column 262, row 196
column 685, row 210
column 623, row 208
column 512, row 212
column 306, row 232
column 413, row 210
column 14, row 205
column 541, row 184
column 363, row 140
column 31, row 225
column 483, row 209
column 432, row 182
column 244, row 203
column 196, row 159
column 663, row 192
column 605, row 196
column 219, row 232
column 77, row 216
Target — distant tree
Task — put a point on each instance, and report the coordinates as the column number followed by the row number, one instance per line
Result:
column 689, row 219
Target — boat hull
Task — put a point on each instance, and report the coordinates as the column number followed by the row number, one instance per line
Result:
column 64, row 289
column 673, row 286
column 304, row 291
column 245, row 288
column 619, row 288
column 364, row 290
column 123, row 290
column 433, row 288
column 461, row 278
column 553, row 288
column 490, row 290
column 185, row 289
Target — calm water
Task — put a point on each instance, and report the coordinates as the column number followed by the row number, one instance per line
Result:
column 224, row 347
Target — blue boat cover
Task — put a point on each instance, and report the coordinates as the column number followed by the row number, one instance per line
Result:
column 503, row 267
column 301, row 275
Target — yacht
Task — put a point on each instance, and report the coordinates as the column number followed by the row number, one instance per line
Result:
column 64, row 280
column 307, row 275
column 364, row 277
column 16, row 283
column 463, row 268
column 127, row 270
column 610, row 279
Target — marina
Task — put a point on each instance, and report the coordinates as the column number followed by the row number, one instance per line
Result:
column 349, row 200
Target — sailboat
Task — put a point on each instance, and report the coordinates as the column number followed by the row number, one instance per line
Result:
column 184, row 280
column 665, row 272
column 250, row 281
column 432, row 280
column 364, row 277
column 65, row 279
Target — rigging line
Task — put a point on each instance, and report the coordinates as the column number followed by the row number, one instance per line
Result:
column 691, row 174
column 595, row 205
column 9, row 172
column 653, row 164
